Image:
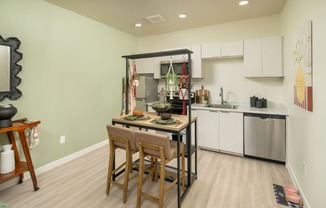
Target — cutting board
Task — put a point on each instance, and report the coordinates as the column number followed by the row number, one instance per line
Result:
column 200, row 94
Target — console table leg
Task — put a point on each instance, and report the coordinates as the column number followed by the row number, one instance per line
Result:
column 28, row 158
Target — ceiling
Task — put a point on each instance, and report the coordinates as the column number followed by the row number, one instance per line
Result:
column 123, row 14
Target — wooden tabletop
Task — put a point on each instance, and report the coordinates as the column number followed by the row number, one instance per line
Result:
column 181, row 122
column 19, row 125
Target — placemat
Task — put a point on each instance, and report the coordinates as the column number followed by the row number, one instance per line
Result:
column 168, row 122
column 136, row 118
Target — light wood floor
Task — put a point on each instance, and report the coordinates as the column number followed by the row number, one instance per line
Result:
column 223, row 181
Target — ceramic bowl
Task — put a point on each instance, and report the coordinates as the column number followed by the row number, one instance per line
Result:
column 137, row 113
column 165, row 116
column 6, row 113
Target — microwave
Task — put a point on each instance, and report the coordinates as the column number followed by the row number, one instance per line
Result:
column 177, row 67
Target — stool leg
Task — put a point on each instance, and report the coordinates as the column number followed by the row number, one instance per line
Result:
column 152, row 169
column 130, row 159
column 162, row 179
column 126, row 176
column 140, row 176
column 156, row 170
column 110, row 167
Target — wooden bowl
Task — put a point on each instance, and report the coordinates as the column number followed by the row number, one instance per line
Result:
column 137, row 113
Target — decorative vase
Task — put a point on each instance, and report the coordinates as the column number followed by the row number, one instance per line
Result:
column 300, row 84
column 7, row 159
column 6, row 113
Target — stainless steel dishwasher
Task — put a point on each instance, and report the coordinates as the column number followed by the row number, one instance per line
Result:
column 264, row 136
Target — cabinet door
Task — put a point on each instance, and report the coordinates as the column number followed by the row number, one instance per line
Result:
column 231, row 132
column 232, row 49
column 145, row 66
column 175, row 57
column 194, row 113
column 157, row 67
column 208, row 123
column 272, row 57
column 252, row 58
column 212, row 50
column 197, row 69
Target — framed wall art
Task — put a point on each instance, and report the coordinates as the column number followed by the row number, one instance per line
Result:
column 303, row 67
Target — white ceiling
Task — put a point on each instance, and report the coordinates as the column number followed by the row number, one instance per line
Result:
column 123, row 14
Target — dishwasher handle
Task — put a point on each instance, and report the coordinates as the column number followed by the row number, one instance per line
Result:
column 264, row 116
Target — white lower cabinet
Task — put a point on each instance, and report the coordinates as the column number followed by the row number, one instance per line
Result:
column 231, row 132
column 207, row 129
column 219, row 130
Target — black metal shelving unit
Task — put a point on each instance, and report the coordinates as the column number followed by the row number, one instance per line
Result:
column 189, row 148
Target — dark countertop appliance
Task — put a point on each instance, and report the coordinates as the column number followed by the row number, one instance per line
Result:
column 176, row 102
column 177, row 67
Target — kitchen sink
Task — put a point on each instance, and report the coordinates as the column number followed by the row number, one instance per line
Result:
column 227, row 106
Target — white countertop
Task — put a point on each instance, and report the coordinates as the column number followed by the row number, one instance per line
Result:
column 276, row 110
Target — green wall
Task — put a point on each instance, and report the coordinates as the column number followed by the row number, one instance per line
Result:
column 71, row 77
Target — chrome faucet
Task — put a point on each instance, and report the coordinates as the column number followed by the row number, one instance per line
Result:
column 221, row 95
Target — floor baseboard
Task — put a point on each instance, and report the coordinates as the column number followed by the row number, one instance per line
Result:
column 54, row 164
column 297, row 184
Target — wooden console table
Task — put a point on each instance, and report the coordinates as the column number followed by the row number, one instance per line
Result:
column 20, row 166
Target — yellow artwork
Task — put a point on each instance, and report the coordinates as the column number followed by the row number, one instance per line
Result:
column 303, row 67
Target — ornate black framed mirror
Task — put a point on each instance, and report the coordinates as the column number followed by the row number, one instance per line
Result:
column 9, row 57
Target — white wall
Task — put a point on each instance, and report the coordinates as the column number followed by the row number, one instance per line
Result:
column 72, row 74
column 225, row 73
column 246, row 29
column 306, row 130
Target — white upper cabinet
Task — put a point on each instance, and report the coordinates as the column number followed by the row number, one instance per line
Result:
column 145, row 66
column 149, row 66
column 212, row 50
column 252, row 58
column 263, row 57
column 272, row 57
column 175, row 57
column 157, row 67
column 197, row 69
column 222, row 50
column 232, row 49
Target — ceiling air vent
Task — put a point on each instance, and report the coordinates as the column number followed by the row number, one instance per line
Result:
column 155, row 18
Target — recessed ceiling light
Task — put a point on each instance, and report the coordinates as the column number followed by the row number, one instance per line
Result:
column 138, row 25
column 241, row 3
column 182, row 15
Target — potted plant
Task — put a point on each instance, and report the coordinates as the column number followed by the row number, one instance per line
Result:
column 161, row 107
column 135, row 79
column 205, row 99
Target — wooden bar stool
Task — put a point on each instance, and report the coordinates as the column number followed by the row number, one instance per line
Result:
column 160, row 148
column 123, row 138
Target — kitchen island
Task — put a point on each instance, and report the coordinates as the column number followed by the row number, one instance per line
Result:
column 151, row 121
